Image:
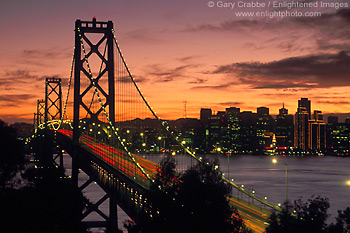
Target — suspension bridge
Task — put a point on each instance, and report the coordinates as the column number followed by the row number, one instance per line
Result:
column 106, row 125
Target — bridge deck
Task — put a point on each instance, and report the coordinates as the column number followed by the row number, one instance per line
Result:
column 110, row 160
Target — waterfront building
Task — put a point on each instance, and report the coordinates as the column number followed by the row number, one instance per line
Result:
column 338, row 136
column 284, row 129
column 233, row 127
column 247, row 132
column 205, row 114
column 306, row 103
column 264, row 128
column 317, row 132
column 301, row 129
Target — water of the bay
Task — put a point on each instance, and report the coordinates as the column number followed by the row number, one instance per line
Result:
column 306, row 176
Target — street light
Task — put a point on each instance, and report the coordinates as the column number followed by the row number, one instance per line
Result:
column 274, row 160
column 348, row 182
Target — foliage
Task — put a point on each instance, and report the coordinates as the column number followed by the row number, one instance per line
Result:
column 305, row 217
column 193, row 202
column 342, row 224
column 51, row 205
column 12, row 158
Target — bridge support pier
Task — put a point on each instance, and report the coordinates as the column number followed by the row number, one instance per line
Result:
column 60, row 157
column 113, row 215
column 111, row 221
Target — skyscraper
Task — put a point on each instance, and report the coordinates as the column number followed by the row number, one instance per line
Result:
column 264, row 127
column 301, row 128
column 283, row 111
column 306, row 103
column 317, row 136
column 205, row 114
column 233, row 127
column 284, row 129
column 247, row 132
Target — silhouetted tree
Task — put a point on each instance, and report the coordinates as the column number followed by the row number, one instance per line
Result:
column 194, row 202
column 12, row 158
column 342, row 224
column 306, row 217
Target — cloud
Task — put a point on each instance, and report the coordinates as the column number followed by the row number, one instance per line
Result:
column 19, row 75
column 51, row 53
column 230, row 103
column 328, row 32
column 214, row 87
column 198, row 81
column 13, row 100
column 332, row 102
column 162, row 74
column 145, row 35
column 322, row 70
column 188, row 59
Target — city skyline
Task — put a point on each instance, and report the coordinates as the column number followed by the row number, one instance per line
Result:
column 183, row 51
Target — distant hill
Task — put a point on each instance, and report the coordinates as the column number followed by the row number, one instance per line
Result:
column 341, row 116
column 24, row 130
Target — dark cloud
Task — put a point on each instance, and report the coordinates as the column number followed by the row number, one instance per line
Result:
column 12, row 100
column 188, row 59
column 332, row 102
column 333, row 25
column 198, row 81
column 323, row 70
column 214, row 87
column 229, row 26
column 19, row 75
column 332, row 29
column 51, row 53
column 145, row 35
column 230, row 103
column 162, row 74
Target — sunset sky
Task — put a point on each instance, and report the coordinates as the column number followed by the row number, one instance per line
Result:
column 184, row 50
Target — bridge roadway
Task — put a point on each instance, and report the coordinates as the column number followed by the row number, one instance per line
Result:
column 134, row 184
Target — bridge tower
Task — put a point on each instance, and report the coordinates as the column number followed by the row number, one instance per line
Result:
column 85, row 48
column 48, row 110
column 40, row 111
column 53, row 99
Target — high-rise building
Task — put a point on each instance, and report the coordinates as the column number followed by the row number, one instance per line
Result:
column 306, row 103
column 331, row 127
column 247, row 122
column 338, row 137
column 205, row 114
column 264, row 128
column 234, row 143
column 284, row 129
column 317, row 132
column 283, row 111
column 263, row 111
column 301, row 129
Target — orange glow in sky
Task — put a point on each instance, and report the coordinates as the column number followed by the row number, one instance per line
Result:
column 183, row 51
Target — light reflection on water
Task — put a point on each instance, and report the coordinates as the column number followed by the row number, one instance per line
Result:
column 306, row 176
